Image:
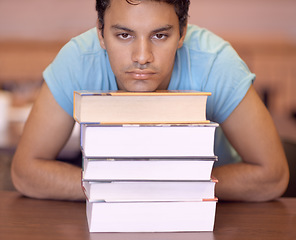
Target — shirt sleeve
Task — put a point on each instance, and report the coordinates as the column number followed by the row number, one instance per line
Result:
column 229, row 80
column 62, row 76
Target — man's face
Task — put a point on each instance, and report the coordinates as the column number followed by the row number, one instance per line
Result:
column 141, row 41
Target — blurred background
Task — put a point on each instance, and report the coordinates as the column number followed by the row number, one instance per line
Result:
column 32, row 32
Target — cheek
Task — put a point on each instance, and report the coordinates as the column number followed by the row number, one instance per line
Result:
column 116, row 52
column 167, row 51
column 167, row 59
column 117, row 59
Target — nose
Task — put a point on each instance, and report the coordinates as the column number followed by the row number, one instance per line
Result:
column 142, row 51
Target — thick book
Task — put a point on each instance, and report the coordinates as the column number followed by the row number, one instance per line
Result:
column 185, row 140
column 176, row 169
column 149, row 190
column 140, row 107
column 161, row 216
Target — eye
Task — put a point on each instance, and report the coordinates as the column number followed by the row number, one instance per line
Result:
column 160, row 36
column 124, row 36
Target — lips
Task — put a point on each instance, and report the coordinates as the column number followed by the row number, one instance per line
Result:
column 141, row 75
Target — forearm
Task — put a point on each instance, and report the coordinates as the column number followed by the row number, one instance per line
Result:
column 47, row 130
column 49, row 179
column 249, row 182
column 264, row 174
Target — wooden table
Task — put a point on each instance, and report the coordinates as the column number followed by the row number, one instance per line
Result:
column 25, row 218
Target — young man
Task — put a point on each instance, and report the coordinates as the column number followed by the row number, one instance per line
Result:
column 144, row 46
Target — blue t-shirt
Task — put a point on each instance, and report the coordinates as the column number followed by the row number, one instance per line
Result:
column 205, row 62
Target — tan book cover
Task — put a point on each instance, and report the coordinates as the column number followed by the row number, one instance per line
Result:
column 140, row 107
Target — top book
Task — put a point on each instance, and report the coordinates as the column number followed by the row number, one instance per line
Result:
column 140, row 107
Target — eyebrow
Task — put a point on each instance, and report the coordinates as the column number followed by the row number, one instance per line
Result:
column 120, row 27
column 161, row 29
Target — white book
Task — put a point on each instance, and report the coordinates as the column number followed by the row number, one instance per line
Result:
column 177, row 169
column 149, row 190
column 161, row 216
column 148, row 140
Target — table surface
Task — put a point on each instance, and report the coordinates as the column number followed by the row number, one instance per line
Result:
column 25, row 218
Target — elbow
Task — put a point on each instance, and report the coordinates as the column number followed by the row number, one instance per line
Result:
column 19, row 177
column 278, row 183
column 283, row 181
column 16, row 178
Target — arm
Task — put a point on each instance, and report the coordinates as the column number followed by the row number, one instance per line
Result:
column 34, row 171
column 263, row 174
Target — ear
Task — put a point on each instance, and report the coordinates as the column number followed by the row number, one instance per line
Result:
column 181, row 40
column 101, row 38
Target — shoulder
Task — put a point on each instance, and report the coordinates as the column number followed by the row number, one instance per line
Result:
column 86, row 43
column 203, row 40
column 202, row 45
column 81, row 52
column 217, row 68
column 204, row 50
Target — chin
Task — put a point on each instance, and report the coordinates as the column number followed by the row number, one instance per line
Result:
column 140, row 88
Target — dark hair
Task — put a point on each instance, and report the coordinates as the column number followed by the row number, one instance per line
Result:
column 181, row 8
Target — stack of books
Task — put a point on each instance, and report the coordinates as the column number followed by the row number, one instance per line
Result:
column 147, row 161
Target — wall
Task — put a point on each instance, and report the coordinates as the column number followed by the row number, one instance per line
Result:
column 247, row 19
column 263, row 32
column 45, row 20
column 61, row 19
